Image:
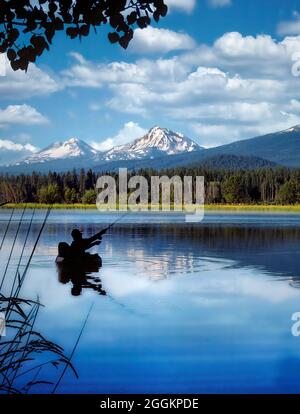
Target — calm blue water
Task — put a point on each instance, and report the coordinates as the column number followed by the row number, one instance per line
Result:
column 189, row 309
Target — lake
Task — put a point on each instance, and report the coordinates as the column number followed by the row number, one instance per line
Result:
column 203, row 308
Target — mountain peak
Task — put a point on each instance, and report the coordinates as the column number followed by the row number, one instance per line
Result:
column 157, row 142
column 74, row 152
column 71, row 148
column 73, row 140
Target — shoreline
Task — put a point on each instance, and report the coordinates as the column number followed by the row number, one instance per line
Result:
column 226, row 207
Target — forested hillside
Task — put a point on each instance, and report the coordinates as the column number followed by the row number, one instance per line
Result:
column 264, row 185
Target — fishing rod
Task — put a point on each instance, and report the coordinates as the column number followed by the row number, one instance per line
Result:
column 102, row 232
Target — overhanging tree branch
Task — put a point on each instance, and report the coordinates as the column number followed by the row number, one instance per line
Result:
column 27, row 28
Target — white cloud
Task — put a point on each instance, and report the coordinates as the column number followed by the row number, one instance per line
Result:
column 211, row 135
column 219, row 3
column 98, row 75
column 11, row 152
column 259, row 56
column 21, row 115
column 89, row 74
column 238, row 87
column 127, row 133
column 18, row 84
column 234, row 44
column 153, row 40
column 289, row 27
column 184, row 5
column 13, row 146
column 214, row 135
column 94, row 107
column 241, row 112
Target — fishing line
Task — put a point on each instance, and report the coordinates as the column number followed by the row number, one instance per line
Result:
column 74, row 348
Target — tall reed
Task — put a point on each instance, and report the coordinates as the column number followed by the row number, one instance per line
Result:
column 19, row 369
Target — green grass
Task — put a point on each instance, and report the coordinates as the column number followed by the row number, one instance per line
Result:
column 254, row 207
column 228, row 207
column 53, row 206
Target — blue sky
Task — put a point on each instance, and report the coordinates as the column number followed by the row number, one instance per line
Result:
column 215, row 70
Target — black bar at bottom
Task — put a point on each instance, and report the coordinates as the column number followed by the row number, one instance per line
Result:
column 134, row 402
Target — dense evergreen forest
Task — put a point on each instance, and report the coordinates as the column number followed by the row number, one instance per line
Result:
column 258, row 186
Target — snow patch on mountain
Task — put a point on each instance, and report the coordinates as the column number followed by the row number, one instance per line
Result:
column 72, row 148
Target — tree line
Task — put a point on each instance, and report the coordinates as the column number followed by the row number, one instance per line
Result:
column 258, row 186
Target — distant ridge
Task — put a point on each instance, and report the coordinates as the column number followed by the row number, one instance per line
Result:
column 75, row 153
column 236, row 162
column 162, row 148
column 281, row 147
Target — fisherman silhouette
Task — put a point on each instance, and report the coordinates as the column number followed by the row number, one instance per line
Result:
column 78, row 249
column 75, row 264
column 80, row 245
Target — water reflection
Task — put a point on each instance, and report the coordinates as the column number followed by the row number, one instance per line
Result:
column 203, row 308
column 273, row 250
column 160, row 251
column 80, row 278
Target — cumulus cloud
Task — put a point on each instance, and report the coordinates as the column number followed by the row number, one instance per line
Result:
column 238, row 87
column 212, row 135
column 11, row 152
column 289, row 27
column 6, row 144
column 219, row 3
column 89, row 74
column 234, row 44
column 18, row 84
column 98, row 75
column 127, row 133
column 153, row 40
column 249, row 56
column 21, row 115
column 184, row 5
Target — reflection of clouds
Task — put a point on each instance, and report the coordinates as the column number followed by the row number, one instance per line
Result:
column 215, row 283
column 169, row 302
column 135, row 260
column 176, row 300
column 238, row 283
column 156, row 265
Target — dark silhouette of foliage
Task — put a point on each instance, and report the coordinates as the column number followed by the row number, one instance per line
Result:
column 20, row 370
column 27, row 28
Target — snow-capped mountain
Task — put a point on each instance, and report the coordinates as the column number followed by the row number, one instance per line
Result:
column 75, row 153
column 162, row 148
column 157, row 142
column 72, row 148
